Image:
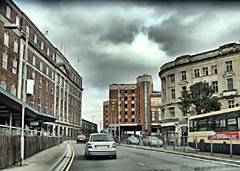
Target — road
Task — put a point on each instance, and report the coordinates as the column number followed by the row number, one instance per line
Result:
column 130, row 159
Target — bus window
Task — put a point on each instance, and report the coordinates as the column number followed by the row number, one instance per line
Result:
column 238, row 123
column 202, row 124
column 220, row 123
column 211, row 123
column 195, row 125
column 191, row 126
column 231, row 124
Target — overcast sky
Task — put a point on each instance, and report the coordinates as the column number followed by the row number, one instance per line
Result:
column 115, row 42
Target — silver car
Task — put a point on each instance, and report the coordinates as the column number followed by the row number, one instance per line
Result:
column 133, row 140
column 152, row 141
column 100, row 144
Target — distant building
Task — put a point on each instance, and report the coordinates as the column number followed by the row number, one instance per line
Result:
column 218, row 67
column 132, row 103
column 54, row 88
column 88, row 127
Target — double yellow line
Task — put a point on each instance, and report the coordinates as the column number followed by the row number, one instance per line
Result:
column 68, row 164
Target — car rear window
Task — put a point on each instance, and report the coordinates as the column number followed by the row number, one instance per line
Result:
column 81, row 136
column 96, row 138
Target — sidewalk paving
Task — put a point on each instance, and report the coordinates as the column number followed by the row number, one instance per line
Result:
column 191, row 153
column 43, row 160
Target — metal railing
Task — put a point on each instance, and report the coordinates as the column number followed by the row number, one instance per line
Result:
column 210, row 145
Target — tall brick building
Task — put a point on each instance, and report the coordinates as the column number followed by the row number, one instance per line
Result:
column 132, row 104
column 56, row 102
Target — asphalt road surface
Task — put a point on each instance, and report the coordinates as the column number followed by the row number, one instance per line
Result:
column 130, row 159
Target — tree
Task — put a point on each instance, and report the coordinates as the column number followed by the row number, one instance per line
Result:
column 200, row 96
column 185, row 103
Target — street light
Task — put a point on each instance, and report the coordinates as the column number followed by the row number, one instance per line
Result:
column 24, row 85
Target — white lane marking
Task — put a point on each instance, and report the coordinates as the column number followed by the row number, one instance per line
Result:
column 141, row 163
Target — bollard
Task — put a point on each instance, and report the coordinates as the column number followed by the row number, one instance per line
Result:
column 231, row 146
column 174, row 141
column 211, row 145
column 165, row 142
column 196, row 144
column 184, row 144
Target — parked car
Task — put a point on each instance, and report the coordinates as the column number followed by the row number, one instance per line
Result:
column 101, row 144
column 152, row 141
column 81, row 138
column 133, row 140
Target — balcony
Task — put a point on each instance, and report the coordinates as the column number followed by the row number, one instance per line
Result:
column 229, row 93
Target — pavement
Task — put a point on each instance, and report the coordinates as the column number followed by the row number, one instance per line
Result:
column 46, row 160
column 225, row 158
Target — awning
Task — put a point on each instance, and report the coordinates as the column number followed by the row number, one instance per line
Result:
column 11, row 104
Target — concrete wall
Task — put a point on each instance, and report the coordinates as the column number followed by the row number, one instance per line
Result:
column 10, row 147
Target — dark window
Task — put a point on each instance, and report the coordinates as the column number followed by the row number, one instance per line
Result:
column 132, row 105
column 184, row 75
column 125, row 105
column 220, row 122
column 230, row 84
column 125, row 98
column 196, row 73
column 229, row 66
column 132, row 97
column 205, row 71
column 215, row 86
column 173, row 93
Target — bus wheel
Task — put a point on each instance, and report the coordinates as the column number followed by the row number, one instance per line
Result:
column 202, row 145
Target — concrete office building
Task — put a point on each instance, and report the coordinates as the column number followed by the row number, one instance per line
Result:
column 219, row 67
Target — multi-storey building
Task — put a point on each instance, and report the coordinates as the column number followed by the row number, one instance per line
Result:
column 155, row 112
column 132, row 104
column 56, row 88
column 88, row 128
column 218, row 67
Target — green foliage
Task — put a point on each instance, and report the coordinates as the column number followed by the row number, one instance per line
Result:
column 200, row 96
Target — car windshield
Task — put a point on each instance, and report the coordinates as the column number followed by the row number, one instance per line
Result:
column 81, row 136
column 97, row 138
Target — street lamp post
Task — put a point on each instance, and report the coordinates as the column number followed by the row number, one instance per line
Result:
column 24, row 85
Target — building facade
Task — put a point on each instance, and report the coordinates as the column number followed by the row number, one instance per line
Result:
column 129, row 107
column 53, row 86
column 218, row 67
column 88, row 128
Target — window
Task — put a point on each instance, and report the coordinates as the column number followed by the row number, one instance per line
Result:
column 153, row 114
column 205, row 71
column 51, row 90
column 48, row 51
column 45, row 106
column 39, row 104
column 3, row 85
column 35, row 38
column 214, row 69
column 46, row 87
column 202, row 124
column 220, row 123
column 173, row 93
column 152, row 101
column 53, row 75
column 196, row 73
column 32, row 100
column 229, row 66
column 15, row 49
column 159, row 114
column 42, row 45
column 40, row 81
column 231, row 103
column 184, row 75
column 125, row 106
column 159, row 100
column 5, row 61
column 41, row 66
column 172, row 111
column 172, row 78
column 133, row 105
column 33, row 75
column 53, row 56
column 17, row 21
column 230, row 84
column 14, row 67
column 125, row 98
column 184, row 88
column 13, row 90
column 47, row 71
column 34, row 60
column 6, row 39
column 8, row 12
column 215, row 86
